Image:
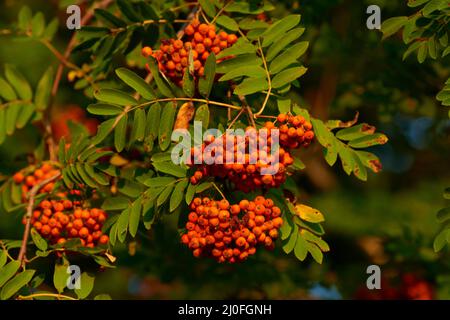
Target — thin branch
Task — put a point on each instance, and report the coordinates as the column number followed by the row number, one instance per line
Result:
column 215, row 103
column 269, row 80
column 53, row 295
column 31, row 199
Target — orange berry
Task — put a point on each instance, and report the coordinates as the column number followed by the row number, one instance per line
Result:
column 61, row 241
column 244, row 204
column 55, row 232
column 198, row 37
column 189, row 30
column 18, row 178
column 232, row 38
column 207, row 42
column 170, row 65
column 235, row 209
column 203, row 28
column 104, row 239
column 178, row 44
column 197, row 65
column 146, row 51
column 223, row 44
column 45, row 230
column 84, row 232
column 223, row 35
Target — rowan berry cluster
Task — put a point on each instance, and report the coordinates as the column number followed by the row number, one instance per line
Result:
column 231, row 233
column 199, row 40
column 247, row 167
column 42, row 173
column 59, row 220
column 295, row 131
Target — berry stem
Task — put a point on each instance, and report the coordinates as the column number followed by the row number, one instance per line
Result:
column 269, row 80
column 31, row 199
column 218, row 190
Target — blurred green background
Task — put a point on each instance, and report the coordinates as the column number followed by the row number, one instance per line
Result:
column 390, row 220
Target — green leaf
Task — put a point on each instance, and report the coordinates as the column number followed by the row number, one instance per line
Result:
column 392, row 25
column 206, row 83
column 434, row 5
column 18, row 82
column 355, row 132
column 227, row 23
column 15, row 284
column 6, row 91
column 279, row 28
column 301, row 247
column 38, row 24
column 86, row 285
column 203, row 187
column 252, row 85
column 441, row 240
column 136, row 82
column 359, row 169
column 103, row 131
column 251, row 71
column 309, row 236
column 110, row 18
column 245, row 60
column 164, row 195
column 170, row 168
column 8, row 271
column 26, row 112
column 120, row 133
column 2, row 125
column 283, row 42
column 166, row 125
column 40, row 243
column 249, row 24
column 287, row 76
column 202, row 114
column 323, row 135
column 122, row 224
column 188, row 84
column 242, row 46
column 208, row 7
column 60, row 277
column 422, row 53
column 159, row 182
column 315, row 252
column 12, row 114
column 190, row 193
column 3, row 258
column 290, row 244
column 443, row 215
column 161, row 83
column 25, row 16
column 103, row 109
column 369, row 141
column 135, row 216
column 138, row 129
column 114, row 96
column 43, row 90
column 128, row 11
column 288, row 57
column 153, row 120
column 115, row 203
column 178, row 194
column 51, row 29
column 347, row 159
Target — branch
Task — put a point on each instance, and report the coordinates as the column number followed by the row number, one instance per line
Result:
column 53, row 295
column 31, row 199
column 268, row 79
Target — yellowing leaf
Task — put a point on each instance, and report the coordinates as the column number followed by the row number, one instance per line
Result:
column 309, row 214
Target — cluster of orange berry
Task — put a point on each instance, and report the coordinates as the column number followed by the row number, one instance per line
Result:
column 248, row 169
column 231, row 233
column 42, row 173
column 295, row 131
column 200, row 39
column 59, row 220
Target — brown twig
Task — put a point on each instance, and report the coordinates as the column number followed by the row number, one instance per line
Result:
column 31, row 199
